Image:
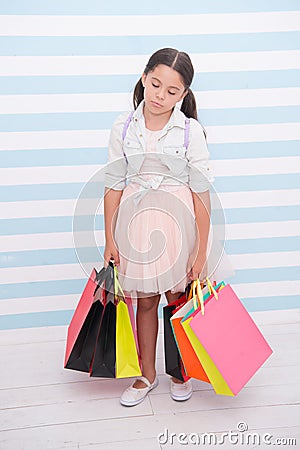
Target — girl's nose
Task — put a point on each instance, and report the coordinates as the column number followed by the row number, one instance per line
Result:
column 160, row 94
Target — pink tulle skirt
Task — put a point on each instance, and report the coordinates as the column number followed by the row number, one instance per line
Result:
column 156, row 235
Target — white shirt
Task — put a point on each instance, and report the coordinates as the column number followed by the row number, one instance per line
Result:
column 186, row 165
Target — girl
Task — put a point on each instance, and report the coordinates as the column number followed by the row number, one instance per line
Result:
column 157, row 202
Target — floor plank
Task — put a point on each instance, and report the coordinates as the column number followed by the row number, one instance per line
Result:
column 46, row 407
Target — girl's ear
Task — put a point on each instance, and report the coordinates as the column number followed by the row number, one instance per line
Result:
column 184, row 94
column 143, row 78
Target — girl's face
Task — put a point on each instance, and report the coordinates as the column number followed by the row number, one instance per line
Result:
column 163, row 89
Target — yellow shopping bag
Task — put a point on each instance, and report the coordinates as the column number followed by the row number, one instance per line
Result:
column 127, row 360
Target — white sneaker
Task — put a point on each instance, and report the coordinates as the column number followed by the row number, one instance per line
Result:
column 133, row 396
column 181, row 391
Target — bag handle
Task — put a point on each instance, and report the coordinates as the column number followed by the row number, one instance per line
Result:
column 104, row 275
column 212, row 289
column 118, row 291
column 196, row 295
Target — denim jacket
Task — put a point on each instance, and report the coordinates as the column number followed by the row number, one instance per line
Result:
column 186, row 165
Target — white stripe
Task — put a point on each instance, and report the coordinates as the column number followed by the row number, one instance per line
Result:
column 112, row 102
column 267, row 289
column 53, row 272
column 46, row 241
column 149, row 25
column 134, row 64
column 58, row 208
column 256, row 166
column 37, row 208
column 31, row 140
column 65, row 240
column 253, row 133
column 248, row 98
column 264, row 260
column 256, row 199
column 262, row 230
column 34, row 140
column 85, row 173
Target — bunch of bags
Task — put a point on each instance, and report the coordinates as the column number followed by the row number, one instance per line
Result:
column 102, row 336
column 212, row 338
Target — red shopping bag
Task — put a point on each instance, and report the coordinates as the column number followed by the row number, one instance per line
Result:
column 83, row 328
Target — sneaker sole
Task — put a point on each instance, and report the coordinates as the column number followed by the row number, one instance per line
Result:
column 180, row 398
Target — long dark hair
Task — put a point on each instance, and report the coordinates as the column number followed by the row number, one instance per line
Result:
column 179, row 61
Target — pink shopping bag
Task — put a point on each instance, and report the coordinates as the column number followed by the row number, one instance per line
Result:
column 231, row 338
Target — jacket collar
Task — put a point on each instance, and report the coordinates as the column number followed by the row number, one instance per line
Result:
column 177, row 118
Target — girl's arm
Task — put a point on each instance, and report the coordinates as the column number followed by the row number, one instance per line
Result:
column 202, row 216
column 111, row 203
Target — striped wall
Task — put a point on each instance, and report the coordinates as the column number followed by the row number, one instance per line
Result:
column 67, row 69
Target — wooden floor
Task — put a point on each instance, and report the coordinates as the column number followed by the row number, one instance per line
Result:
column 44, row 406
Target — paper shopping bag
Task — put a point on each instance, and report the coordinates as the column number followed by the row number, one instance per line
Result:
column 116, row 354
column 192, row 365
column 83, row 328
column 173, row 363
column 229, row 339
column 104, row 358
column 127, row 360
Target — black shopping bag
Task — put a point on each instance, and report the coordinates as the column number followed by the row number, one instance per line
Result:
column 104, row 360
column 173, row 363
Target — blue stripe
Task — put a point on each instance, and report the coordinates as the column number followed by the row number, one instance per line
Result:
column 49, row 257
column 34, row 320
column 42, row 288
column 53, row 157
column 156, row 7
column 262, row 245
column 79, row 84
column 69, row 256
column 104, row 120
column 256, row 183
column 268, row 274
column 72, row 190
column 245, row 116
column 82, row 156
column 63, row 318
column 272, row 303
column 10, row 227
column 132, row 45
column 265, row 214
column 243, row 150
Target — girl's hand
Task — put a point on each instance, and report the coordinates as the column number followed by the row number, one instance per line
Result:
column 111, row 252
column 199, row 268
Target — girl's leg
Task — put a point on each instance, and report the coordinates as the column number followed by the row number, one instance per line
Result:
column 147, row 328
